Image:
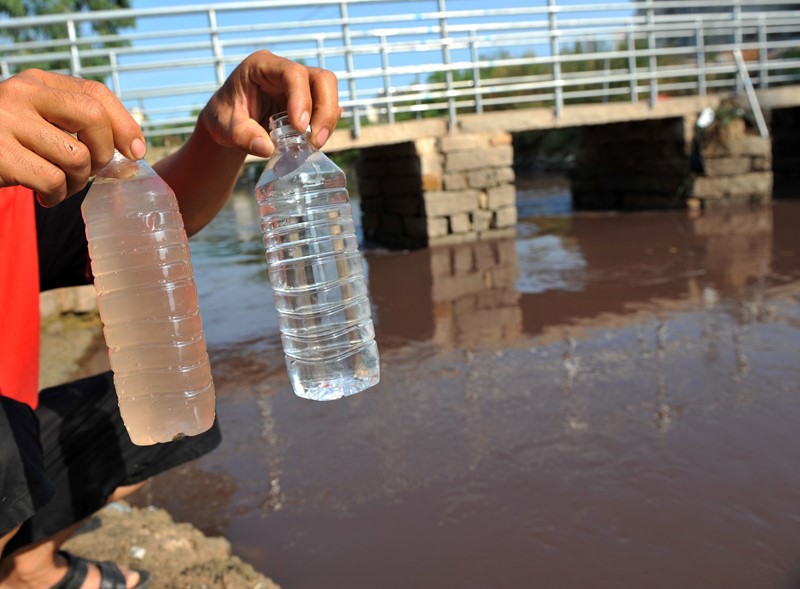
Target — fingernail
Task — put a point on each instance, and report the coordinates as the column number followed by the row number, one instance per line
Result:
column 261, row 147
column 304, row 118
column 138, row 148
column 322, row 136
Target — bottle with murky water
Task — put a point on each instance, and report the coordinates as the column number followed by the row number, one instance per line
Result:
column 315, row 269
column 148, row 303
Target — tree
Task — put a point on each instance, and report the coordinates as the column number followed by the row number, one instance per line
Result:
column 22, row 37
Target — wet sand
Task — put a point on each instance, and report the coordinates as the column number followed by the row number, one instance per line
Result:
column 609, row 400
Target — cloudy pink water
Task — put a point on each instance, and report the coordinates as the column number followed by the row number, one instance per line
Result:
column 608, row 400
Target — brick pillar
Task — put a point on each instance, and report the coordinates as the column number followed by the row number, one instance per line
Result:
column 438, row 190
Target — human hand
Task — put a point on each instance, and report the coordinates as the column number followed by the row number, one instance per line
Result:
column 56, row 131
column 265, row 84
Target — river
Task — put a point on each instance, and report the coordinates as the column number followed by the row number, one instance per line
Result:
column 606, row 400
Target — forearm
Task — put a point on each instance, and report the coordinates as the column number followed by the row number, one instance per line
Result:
column 203, row 174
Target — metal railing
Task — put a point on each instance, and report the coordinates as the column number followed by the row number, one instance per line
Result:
column 397, row 61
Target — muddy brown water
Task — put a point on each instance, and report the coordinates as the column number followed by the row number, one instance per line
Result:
column 606, row 401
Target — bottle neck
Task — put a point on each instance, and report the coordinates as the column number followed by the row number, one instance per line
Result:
column 283, row 134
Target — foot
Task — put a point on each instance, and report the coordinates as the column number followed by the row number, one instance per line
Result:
column 86, row 574
column 72, row 572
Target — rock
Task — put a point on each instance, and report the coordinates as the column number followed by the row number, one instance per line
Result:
column 177, row 555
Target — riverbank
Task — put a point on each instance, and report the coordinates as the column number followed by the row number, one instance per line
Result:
column 177, row 555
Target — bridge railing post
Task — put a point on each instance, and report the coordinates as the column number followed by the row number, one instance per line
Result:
column 652, row 61
column 476, row 71
column 387, row 82
column 216, row 46
column 5, row 71
column 348, row 55
column 74, row 53
column 558, row 89
column 736, row 15
column 446, row 59
column 763, row 56
column 633, row 82
column 321, row 51
column 116, row 86
column 700, row 57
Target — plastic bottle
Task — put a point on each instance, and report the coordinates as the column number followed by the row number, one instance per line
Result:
column 315, row 269
column 148, row 303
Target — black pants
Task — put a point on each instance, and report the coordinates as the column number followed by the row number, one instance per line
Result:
column 59, row 464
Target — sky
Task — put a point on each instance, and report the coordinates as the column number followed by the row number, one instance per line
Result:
column 285, row 31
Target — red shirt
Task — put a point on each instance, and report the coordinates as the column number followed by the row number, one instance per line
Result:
column 19, row 296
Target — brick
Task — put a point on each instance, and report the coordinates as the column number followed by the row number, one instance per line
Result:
column 500, row 155
column 730, row 186
column 482, row 178
column 459, row 223
column 481, row 220
column 441, row 203
column 454, row 181
column 505, row 217
column 727, row 166
column 501, row 196
column 464, row 142
column 431, row 164
column 501, row 138
column 432, row 182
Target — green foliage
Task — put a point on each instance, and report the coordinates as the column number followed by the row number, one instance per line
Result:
column 21, row 8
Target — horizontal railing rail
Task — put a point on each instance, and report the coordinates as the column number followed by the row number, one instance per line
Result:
column 418, row 58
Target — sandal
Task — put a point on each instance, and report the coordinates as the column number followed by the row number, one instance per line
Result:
column 110, row 575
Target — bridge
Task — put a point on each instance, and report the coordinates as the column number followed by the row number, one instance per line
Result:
column 433, row 90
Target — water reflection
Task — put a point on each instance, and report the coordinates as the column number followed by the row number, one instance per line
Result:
column 587, row 392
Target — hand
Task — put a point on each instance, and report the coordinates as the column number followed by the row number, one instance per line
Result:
column 56, row 131
column 265, row 84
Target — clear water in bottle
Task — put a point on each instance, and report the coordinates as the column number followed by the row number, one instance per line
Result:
column 315, row 269
column 148, row 303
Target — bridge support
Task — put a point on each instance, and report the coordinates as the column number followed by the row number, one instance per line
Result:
column 449, row 189
column 650, row 164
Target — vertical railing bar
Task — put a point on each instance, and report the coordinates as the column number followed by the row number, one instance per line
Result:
column 321, row 51
column 700, row 44
column 216, row 46
column 736, row 13
column 558, row 90
column 5, row 71
column 387, row 82
column 74, row 55
column 476, row 71
column 652, row 63
column 763, row 53
column 348, row 55
column 632, row 64
column 448, row 74
column 115, row 83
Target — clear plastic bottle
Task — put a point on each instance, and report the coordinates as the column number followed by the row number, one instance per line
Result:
column 148, row 303
column 315, row 269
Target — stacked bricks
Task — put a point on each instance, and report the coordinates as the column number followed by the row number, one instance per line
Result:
column 440, row 190
column 738, row 168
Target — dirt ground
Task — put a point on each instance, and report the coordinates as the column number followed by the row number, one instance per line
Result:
column 177, row 555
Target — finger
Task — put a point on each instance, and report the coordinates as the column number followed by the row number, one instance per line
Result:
column 281, row 78
column 78, row 114
column 326, row 110
column 62, row 150
column 91, row 108
column 33, row 171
